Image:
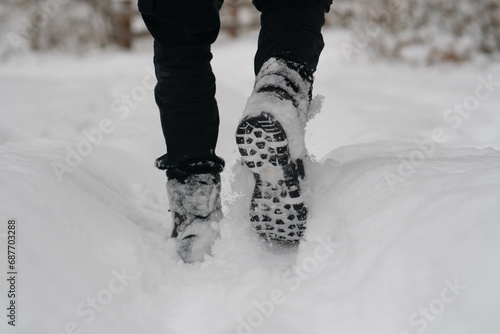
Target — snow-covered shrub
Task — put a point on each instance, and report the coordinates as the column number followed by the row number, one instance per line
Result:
column 421, row 30
column 70, row 25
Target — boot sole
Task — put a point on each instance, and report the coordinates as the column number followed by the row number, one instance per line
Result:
column 277, row 210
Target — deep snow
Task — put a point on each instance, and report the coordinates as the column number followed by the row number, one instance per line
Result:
column 390, row 247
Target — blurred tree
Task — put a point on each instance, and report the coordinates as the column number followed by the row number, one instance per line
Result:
column 77, row 25
column 237, row 16
column 421, row 30
column 427, row 31
column 70, row 25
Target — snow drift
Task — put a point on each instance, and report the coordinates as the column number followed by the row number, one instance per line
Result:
column 93, row 253
column 397, row 241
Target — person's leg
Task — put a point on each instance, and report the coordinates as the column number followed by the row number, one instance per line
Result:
column 185, row 94
column 291, row 30
column 270, row 136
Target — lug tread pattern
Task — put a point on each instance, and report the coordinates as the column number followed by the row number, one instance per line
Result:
column 277, row 210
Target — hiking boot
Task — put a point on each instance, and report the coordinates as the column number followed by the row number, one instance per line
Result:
column 270, row 139
column 196, row 210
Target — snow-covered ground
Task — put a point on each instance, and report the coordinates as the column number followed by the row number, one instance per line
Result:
column 403, row 235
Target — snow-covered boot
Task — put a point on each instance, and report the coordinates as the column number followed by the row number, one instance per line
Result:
column 270, row 138
column 196, row 210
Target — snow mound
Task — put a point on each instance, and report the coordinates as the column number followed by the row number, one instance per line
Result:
column 93, row 255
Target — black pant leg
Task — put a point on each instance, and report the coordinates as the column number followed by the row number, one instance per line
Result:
column 185, row 93
column 291, row 30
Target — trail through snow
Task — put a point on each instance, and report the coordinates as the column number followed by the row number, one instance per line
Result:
column 397, row 242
